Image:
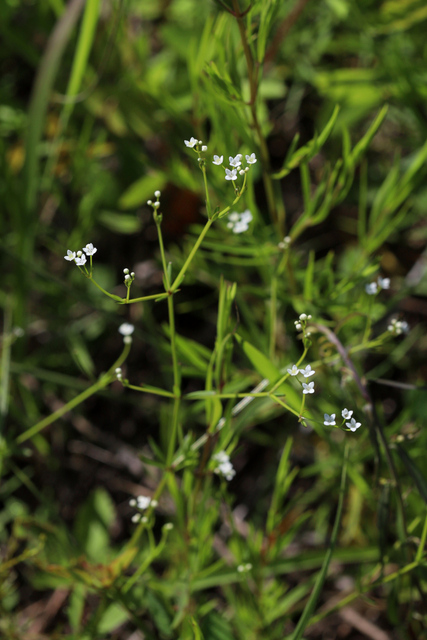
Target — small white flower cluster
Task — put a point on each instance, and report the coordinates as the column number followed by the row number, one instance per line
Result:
column 239, row 222
column 244, row 568
column 307, row 373
column 142, row 503
column 397, row 327
column 156, row 203
column 329, row 420
column 193, row 143
column 126, row 329
column 79, row 257
column 235, row 163
column 225, row 468
column 129, row 277
column 374, row 287
column 119, row 373
column 301, row 323
column 285, row 244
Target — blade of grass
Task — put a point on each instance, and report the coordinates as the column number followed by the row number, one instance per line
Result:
column 78, row 70
column 312, row 601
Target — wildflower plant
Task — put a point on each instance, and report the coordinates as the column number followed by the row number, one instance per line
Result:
column 274, row 360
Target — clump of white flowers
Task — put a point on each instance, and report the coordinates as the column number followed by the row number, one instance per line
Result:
column 397, row 327
column 239, row 222
column 301, row 323
column 244, row 568
column 352, row 425
column 142, row 503
column 224, row 467
column 285, row 243
column 79, row 257
column 375, row 287
column 235, row 163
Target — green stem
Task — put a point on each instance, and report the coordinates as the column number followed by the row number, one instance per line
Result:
column 154, row 391
column 273, row 317
column 103, row 381
column 190, row 257
column 155, row 296
column 208, row 201
column 110, row 295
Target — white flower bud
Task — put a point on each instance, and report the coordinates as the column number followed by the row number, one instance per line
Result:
column 157, row 194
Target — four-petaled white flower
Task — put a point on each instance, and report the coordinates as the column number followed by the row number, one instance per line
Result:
column 353, row 425
column 191, row 143
column 346, row 414
column 89, row 249
column 81, row 260
column 384, row 283
column 231, row 175
column 126, row 329
column 308, row 388
column 251, row 159
column 71, row 255
column 225, row 468
column 329, row 420
column 218, row 159
column 307, row 372
column 235, row 162
column 293, row 371
column 371, row 288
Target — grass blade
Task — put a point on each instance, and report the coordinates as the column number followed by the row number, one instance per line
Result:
column 312, row 601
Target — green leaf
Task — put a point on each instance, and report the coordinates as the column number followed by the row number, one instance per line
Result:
column 119, row 222
column 92, row 523
column 142, row 190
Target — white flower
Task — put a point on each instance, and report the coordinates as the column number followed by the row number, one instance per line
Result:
column 298, row 326
column 308, row 371
column 353, row 425
column 142, row 502
column 384, row 283
column 89, row 249
column 231, row 175
column 346, row 414
column 71, row 255
column 157, row 194
column 190, row 143
column 125, row 271
column 204, row 148
column 217, row 159
column 81, row 260
column 371, row 288
column 293, row 371
column 225, row 468
column 329, row 421
column 126, row 329
column 246, row 216
column 251, row 159
column 308, row 388
column 235, row 162
column 239, row 222
column 397, row 327
column 240, row 227
column 243, row 568
column 118, row 372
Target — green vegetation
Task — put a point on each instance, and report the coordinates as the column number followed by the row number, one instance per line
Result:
column 212, row 411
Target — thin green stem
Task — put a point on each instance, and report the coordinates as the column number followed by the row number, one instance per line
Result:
column 154, row 296
column 283, row 404
column 148, row 389
column 208, row 201
column 162, row 250
column 190, row 257
column 103, row 381
column 110, row 295
column 273, row 317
